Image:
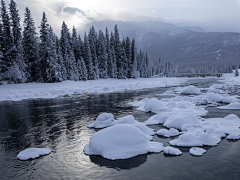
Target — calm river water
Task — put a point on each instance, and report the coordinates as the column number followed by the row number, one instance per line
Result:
column 60, row 124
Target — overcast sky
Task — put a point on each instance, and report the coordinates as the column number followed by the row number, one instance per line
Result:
column 211, row 15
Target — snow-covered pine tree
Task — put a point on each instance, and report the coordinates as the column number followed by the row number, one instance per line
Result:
column 118, row 52
column 82, row 70
column 49, row 71
column 148, row 66
column 92, row 38
column 7, row 40
column 29, row 42
column 128, row 58
column 17, row 48
column 63, row 70
column 102, row 56
column 88, row 58
column 67, row 54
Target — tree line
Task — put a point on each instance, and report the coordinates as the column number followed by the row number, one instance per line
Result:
column 27, row 57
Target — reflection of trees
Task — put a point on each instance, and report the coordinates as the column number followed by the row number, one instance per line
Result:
column 120, row 164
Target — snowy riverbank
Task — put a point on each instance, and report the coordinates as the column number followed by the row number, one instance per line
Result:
column 17, row 92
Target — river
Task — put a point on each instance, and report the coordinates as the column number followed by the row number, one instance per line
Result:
column 60, row 124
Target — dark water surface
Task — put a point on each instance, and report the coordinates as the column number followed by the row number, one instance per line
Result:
column 60, row 124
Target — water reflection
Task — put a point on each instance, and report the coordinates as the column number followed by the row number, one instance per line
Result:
column 125, row 164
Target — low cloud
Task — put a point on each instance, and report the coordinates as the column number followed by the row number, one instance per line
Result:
column 73, row 11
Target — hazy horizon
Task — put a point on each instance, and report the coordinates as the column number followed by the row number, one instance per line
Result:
column 212, row 16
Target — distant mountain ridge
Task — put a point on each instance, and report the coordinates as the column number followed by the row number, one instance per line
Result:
column 189, row 46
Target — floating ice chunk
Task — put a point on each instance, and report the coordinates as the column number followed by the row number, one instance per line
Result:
column 233, row 105
column 168, row 133
column 186, row 140
column 233, row 137
column 153, row 105
column 191, row 90
column 195, row 151
column 172, row 151
column 103, row 120
column 158, row 119
column 179, row 119
column 208, row 140
column 121, row 141
column 32, row 153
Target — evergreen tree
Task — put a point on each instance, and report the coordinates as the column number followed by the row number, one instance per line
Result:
column 82, row 70
column 92, row 38
column 50, row 69
column 7, row 40
column 88, row 58
column 102, row 56
column 67, row 54
column 29, row 42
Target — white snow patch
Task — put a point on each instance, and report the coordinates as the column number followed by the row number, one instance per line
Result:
column 179, row 119
column 33, row 153
column 121, row 141
column 186, row 140
column 195, row 151
column 168, row 133
column 172, row 151
column 191, row 90
column 103, row 120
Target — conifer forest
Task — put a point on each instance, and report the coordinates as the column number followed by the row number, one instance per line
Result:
column 28, row 56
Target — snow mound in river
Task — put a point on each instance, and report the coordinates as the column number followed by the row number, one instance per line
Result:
column 121, row 141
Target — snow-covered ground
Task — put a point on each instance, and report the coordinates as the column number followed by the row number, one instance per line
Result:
column 17, row 92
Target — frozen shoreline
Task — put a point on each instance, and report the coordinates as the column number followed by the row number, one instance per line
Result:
column 18, row 92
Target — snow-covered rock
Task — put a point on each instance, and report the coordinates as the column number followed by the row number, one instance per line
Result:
column 168, row 133
column 186, row 140
column 191, row 90
column 121, row 141
column 195, row 151
column 153, row 105
column 172, row 151
column 103, row 120
column 33, row 153
column 179, row 119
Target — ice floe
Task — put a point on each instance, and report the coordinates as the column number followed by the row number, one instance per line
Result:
column 195, row 151
column 121, row 141
column 103, row 120
column 172, row 151
column 33, row 153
